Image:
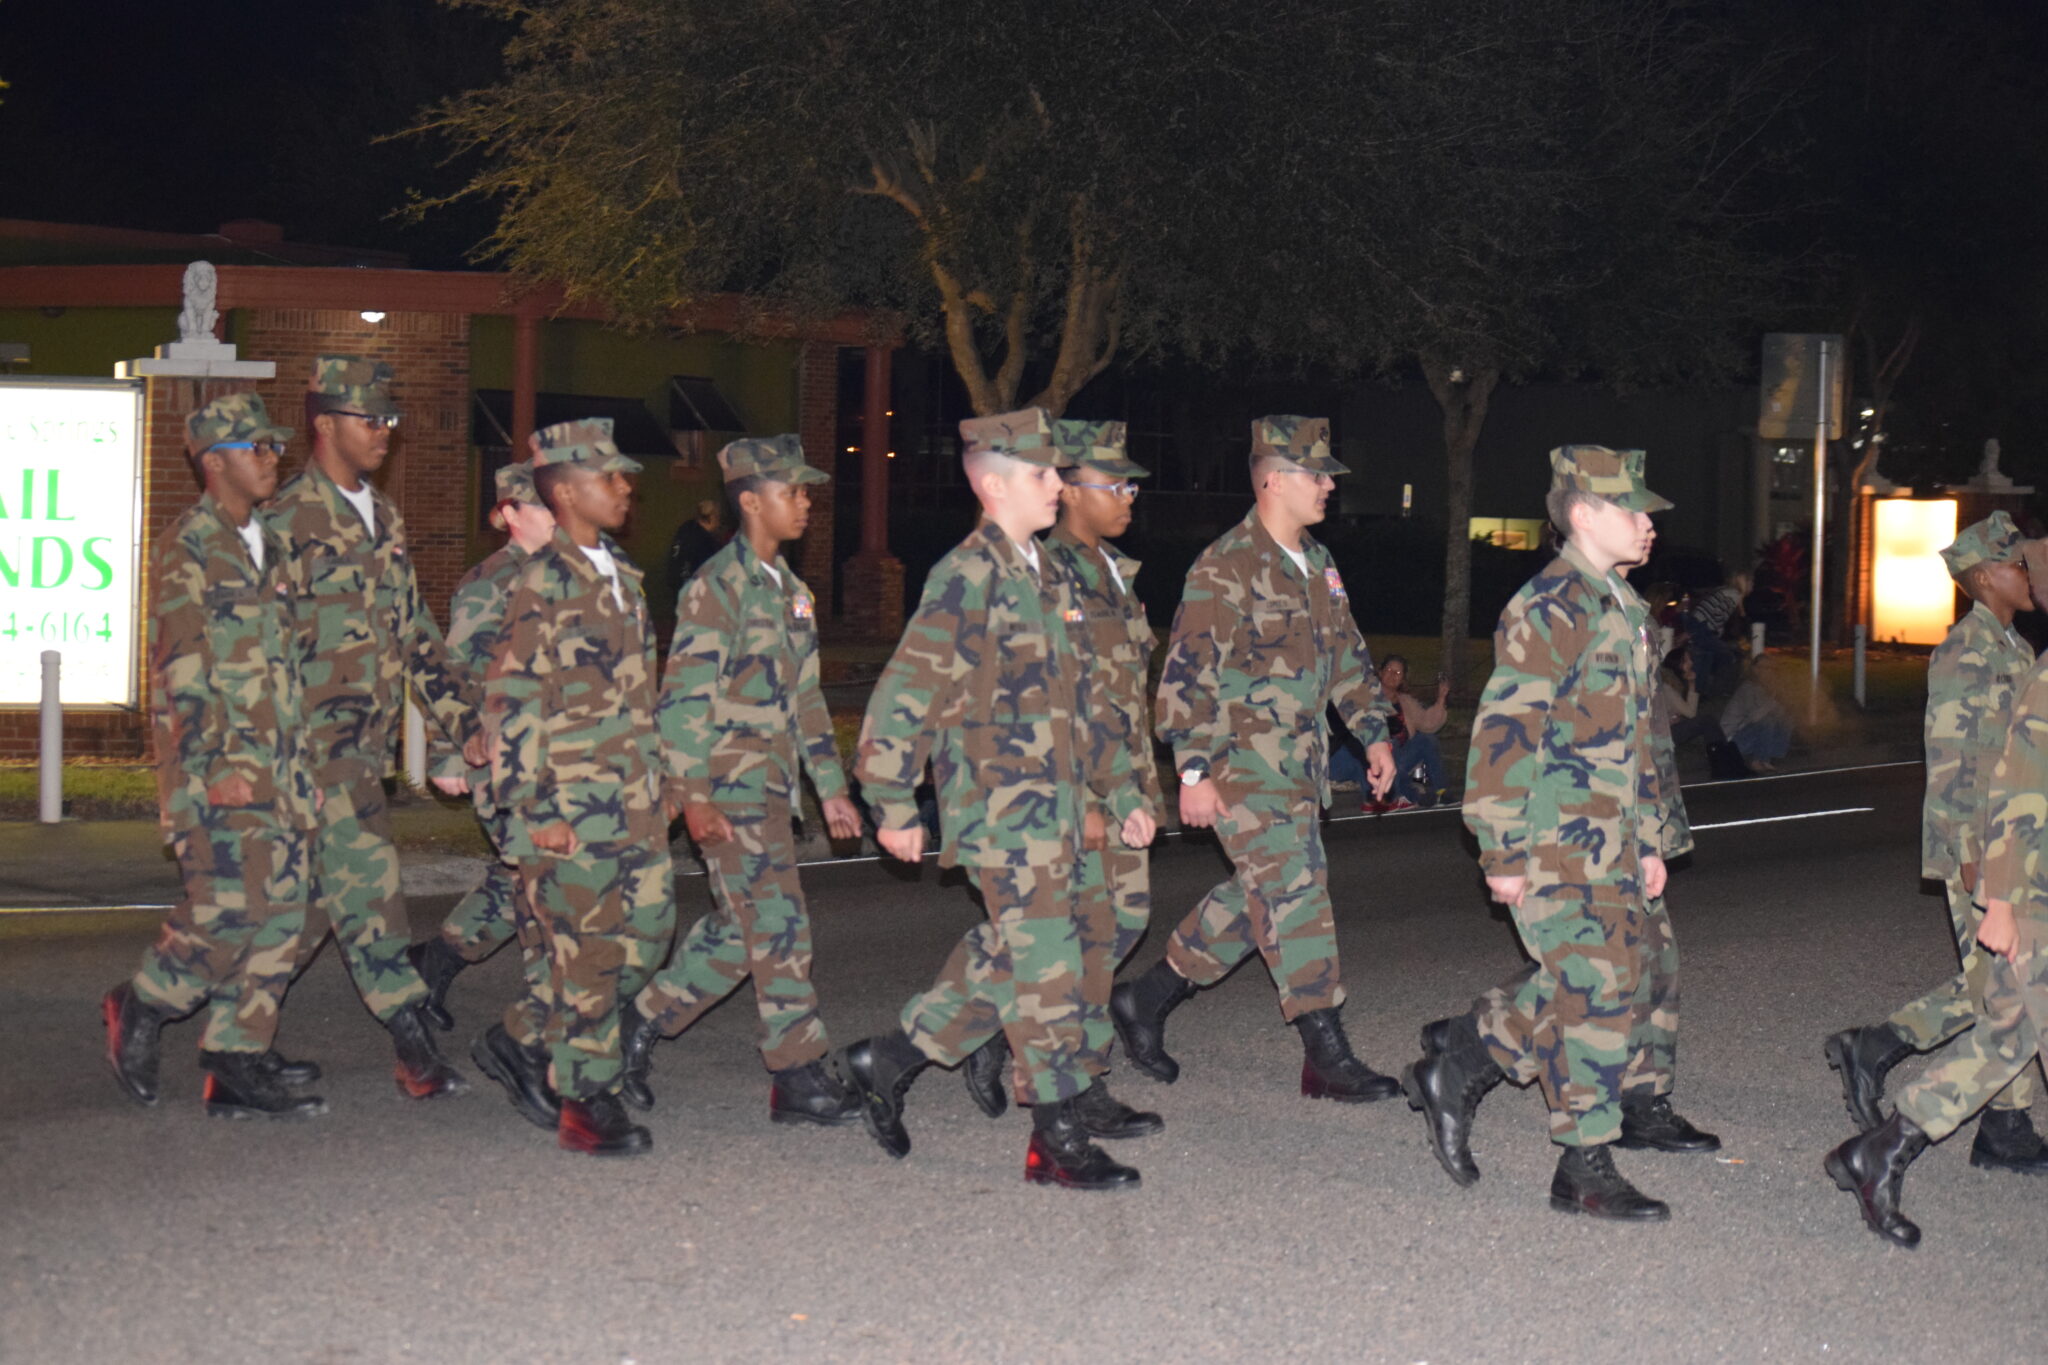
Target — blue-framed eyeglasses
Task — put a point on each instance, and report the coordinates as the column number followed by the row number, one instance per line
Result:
column 1126, row 489
column 386, row 420
column 260, row 447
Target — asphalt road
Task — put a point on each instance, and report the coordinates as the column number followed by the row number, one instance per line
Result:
column 1268, row 1226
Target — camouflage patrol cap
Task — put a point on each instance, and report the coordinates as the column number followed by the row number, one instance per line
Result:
column 349, row 383
column 1615, row 475
column 1990, row 541
column 515, row 484
column 780, row 458
column 237, row 417
column 1099, row 445
column 1301, row 441
column 1022, row 435
column 586, row 441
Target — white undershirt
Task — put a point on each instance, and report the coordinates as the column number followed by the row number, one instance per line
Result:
column 1029, row 549
column 772, row 572
column 1120, row 587
column 606, row 565
column 1300, row 559
column 364, row 501
column 252, row 536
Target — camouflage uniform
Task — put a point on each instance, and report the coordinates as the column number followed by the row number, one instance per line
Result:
column 363, row 634
column 740, row 717
column 1562, row 788
column 1257, row 653
column 984, row 683
column 569, row 703
column 225, row 703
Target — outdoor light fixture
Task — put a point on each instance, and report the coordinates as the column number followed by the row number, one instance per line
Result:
column 1913, row 599
column 370, row 315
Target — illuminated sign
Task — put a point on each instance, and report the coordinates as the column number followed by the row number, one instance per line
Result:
column 70, row 529
column 1912, row 597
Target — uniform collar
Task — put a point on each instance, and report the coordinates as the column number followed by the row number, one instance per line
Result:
column 1263, row 541
column 342, row 512
column 750, row 559
column 1006, row 550
column 211, row 506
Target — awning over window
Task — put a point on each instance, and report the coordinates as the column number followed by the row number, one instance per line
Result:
column 695, row 404
column 634, row 430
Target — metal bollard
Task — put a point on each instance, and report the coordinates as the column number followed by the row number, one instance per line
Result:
column 50, row 755
column 1862, row 640
column 1756, row 640
column 415, row 745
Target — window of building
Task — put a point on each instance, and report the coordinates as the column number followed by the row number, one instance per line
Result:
column 1510, row 533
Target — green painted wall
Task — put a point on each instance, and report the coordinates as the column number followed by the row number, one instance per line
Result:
column 86, row 341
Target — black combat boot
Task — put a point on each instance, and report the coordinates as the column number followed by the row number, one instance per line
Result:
column 600, row 1126
column 810, row 1093
column 438, row 966
column 1139, row 1009
column 134, row 1041
column 1106, row 1116
column 1328, row 1069
column 1863, row 1056
column 2006, row 1141
column 1872, row 1166
column 1446, row 1085
column 285, row 1072
column 422, row 1073
column 637, row 1037
column 1586, row 1182
column 1648, row 1122
column 239, row 1086
column 523, row 1071
column 880, row 1069
column 1061, row 1154
column 986, row 1073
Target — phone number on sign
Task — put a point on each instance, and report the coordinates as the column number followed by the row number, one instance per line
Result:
column 56, row 627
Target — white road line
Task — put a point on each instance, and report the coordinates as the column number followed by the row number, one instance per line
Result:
column 1775, row 819
column 1811, row 772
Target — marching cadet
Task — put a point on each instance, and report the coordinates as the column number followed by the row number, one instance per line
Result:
column 238, row 801
column 363, row 634
column 1971, row 679
column 1264, row 640
column 1116, row 896
column 741, row 717
column 494, row 912
column 575, row 769
column 2009, row 981
column 987, row 684
column 1564, row 798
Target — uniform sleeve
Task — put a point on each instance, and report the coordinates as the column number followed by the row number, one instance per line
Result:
column 515, row 693
column 1959, row 756
column 2016, row 805
column 1354, row 684
column 1109, row 773
column 941, row 648
column 696, row 661
column 476, row 616
column 1507, row 735
column 814, row 722
column 1189, row 706
column 196, row 721
column 447, row 688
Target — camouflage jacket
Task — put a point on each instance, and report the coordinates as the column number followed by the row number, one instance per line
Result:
column 363, row 631
column 1970, row 683
column 224, row 680
column 2016, row 806
column 1677, row 837
column 1562, row 784
column 476, row 627
column 987, row 685
column 569, row 705
column 1119, row 641
column 740, row 707
column 1256, row 655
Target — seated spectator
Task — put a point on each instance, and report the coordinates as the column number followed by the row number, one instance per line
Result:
column 1418, row 759
column 1716, row 667
column 1756, row 723
column 1680, row 695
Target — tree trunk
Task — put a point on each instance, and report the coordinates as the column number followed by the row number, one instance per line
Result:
column 1463, row 395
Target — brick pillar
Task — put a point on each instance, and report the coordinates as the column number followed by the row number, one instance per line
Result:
column 817, row 409
column 874, row 577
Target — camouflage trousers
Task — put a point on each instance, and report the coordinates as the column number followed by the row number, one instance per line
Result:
column 355, row 891
column 758, row 929
column 2005, row 1040
column 1277, row 904
column 1653, row 1015
column 228, row 943
column 605, row 918
column 488, row 917
column 1570, row 1019
column 1953, row 1006
column 1021, row 974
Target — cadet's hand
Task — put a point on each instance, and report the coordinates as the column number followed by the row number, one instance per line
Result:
column 904, row 845
column 1379, row 767
column 451, row 786
column 230, row 791
column 1201, row 804
column 476, row 751
column 1507, row 890
column 1094, row 831
column 842, row 817
column 1139, row 828
column 1969, row 876
column 1654, row 877
column 1998, row 933
column 557, row 839
column 706, row 825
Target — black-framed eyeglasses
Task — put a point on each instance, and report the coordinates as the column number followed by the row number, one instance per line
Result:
column 1126, row 489
column 386, row 420
column 260, row 447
